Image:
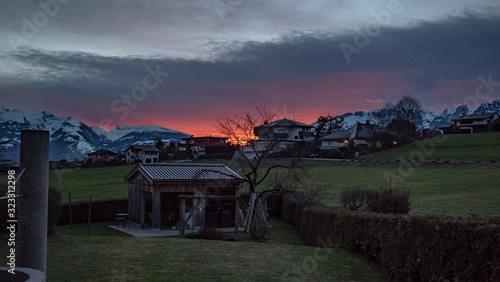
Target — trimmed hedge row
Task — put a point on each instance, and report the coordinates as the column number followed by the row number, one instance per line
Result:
column 100, row 211
column 407, row 247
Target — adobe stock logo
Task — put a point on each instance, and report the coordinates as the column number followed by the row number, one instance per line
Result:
column 39, row 19
column 372, row 29
column 225, row 7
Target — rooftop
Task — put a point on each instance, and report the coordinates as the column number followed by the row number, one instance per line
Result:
column 477, row 116
column 285, row 123
column 146, row 148
column 183, row 172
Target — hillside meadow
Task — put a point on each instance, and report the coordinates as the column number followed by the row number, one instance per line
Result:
column 468, row 147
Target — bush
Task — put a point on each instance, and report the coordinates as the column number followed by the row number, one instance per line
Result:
column 353, row 198
column 104, row 210
column 388, row 200
column 408, row 247
column 54, row 209
column 206, row 233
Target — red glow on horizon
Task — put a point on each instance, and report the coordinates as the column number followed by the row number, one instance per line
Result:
column 302, row 99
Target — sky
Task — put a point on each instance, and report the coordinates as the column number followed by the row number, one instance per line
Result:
column 182, row 64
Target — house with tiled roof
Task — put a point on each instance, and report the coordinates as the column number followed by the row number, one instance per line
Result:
column 102, row 155
column 475, row 123
column 280, row 135
column 156, row 193
column 142, row 154
column 284, row 130
column 360, row 134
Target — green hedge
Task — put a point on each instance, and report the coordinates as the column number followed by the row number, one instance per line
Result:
column 407, row 247
column 100, row 211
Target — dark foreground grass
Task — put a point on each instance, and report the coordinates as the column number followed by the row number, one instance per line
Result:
column 109, row 255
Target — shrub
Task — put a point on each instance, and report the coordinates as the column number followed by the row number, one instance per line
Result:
column 353, row 198
column 408, row 247
column 104, row 210
column 388, row 200
column 206, row 233
column 54, row 209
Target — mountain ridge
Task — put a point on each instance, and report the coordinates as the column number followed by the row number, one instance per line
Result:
column 71, row 139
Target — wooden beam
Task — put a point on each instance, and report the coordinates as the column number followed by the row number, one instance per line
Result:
column 253, row 197
column 236, row 217
column 156, row 212
column 183, row 217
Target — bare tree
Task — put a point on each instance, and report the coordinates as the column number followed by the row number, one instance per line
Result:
column 256, row 166
column 405, row 115
column 241, row 130
column 408, row 108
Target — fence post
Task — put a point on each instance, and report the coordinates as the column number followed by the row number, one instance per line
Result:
column 90, row 211
column 70, row 215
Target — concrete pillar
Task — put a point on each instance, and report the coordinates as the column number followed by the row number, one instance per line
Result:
column 33, row 207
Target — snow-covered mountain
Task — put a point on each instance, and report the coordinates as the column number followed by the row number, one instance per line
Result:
column 430, row 119
column 70, row 138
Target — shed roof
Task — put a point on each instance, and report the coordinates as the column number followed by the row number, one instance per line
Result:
column 185, row 172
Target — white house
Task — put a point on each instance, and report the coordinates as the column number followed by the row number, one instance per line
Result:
column 282, row 134
column 142, row 154
column 475, row 123
column 285, row 130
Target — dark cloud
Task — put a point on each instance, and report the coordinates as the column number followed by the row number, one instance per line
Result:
column 422, row 81
column 457, row 48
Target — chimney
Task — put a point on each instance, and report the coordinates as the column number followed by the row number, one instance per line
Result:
column 367, row 122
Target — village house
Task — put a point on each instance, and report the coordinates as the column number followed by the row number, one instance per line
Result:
column 360, row 134
column 142, row 154
column 285, row 132
column 475, row 123
column 160, row 195
column 199, row 145
column 102, row 155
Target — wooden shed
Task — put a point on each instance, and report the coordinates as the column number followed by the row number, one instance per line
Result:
column 210, row 193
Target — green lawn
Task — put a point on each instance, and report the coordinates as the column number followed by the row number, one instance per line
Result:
column 453, row 189
column 478, row 146
column 103, row 183
column 109, row 255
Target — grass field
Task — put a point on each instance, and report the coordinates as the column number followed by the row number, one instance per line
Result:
column 103, row 183
column 452, row 189
column 479, row 146
column 109, row 255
